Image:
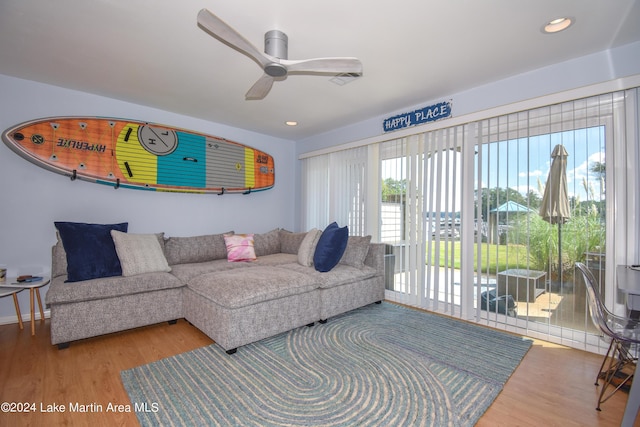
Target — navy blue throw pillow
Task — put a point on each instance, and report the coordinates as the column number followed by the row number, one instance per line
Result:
column 331, row 247
column 91, row 253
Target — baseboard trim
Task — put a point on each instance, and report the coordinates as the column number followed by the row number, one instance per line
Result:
column 26, row 317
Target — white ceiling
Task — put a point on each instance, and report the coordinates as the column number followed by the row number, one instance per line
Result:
column 152, row 52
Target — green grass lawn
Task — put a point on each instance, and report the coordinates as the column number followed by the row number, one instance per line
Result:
column 494, row 258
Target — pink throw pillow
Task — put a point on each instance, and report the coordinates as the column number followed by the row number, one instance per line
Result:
column 240, row 247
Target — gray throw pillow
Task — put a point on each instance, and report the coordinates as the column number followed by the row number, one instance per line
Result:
column 356, row 252
column 308, row 247
column 139, row 253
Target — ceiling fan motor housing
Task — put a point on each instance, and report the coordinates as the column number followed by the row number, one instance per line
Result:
column 276, row 43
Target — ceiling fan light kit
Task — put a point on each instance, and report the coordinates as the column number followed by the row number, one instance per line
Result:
column 274, row 60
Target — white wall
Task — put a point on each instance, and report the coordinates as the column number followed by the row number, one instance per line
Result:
column 31, row 198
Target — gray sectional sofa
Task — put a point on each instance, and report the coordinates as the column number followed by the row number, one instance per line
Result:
column 234, row 303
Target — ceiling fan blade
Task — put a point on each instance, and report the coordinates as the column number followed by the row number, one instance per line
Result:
column 324, row 65
column 227, row 35
column 261, row 88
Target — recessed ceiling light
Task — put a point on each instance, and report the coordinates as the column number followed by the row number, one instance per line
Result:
column 291, row 123
column 557, row 25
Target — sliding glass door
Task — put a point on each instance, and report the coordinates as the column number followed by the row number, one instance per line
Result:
column 531, row 260
column 522, row 275
column 459, row 208
column 420, row 216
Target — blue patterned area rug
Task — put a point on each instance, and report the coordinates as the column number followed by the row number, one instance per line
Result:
column 381, row 365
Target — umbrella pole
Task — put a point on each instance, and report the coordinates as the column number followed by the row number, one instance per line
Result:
column 560, row 252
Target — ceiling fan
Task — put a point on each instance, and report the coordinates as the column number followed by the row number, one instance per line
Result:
column 274, row 61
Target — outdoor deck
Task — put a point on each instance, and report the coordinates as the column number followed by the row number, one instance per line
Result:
column 557, row 307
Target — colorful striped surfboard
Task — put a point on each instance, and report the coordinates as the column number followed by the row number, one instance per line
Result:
column 141, row 155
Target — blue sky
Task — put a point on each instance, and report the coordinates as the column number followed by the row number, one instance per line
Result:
column 522, row 164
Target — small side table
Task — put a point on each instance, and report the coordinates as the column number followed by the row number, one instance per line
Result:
column 34, row 288
column 5, row 291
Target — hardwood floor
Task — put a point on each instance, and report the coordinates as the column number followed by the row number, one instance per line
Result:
column 553, row 386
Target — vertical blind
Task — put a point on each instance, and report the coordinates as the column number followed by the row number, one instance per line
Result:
column 334, row 189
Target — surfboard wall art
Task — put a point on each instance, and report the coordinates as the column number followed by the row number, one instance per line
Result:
column 131, row 154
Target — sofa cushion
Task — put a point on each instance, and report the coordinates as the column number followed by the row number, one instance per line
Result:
column 139, row 253
column 183, row 250
column 267, row 243
column 240, row 247
column 61, row 292
column 186, row 272
column 247, row 286
column 308, row 247
column 341, row 274
column 90, row 250
column 275, row 259
column 356, row 251
column 290, row 242
column 331, row 247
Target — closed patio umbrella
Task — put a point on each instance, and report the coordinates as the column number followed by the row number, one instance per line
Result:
column 555, row 201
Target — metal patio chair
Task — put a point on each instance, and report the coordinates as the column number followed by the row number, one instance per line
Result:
column 624, row 334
